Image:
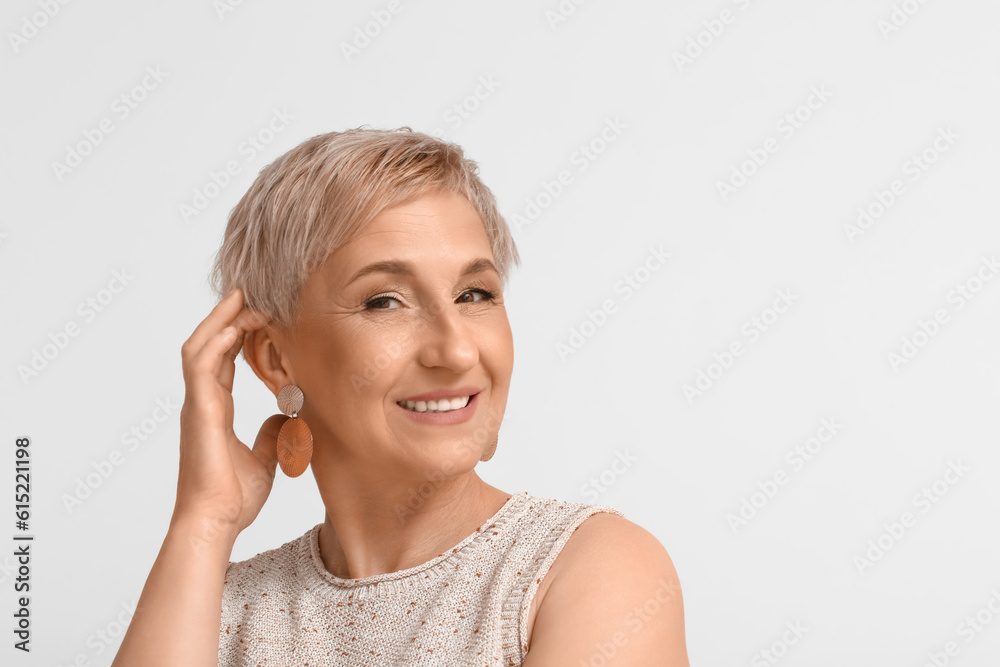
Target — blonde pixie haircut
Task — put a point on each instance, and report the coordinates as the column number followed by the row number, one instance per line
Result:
column 321, row 194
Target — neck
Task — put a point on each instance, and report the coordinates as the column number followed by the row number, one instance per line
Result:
column 379, row 526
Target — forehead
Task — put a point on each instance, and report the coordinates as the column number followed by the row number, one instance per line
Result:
column 435, row 226
column 437, row 212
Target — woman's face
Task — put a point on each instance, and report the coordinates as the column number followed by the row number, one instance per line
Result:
column 413, row 305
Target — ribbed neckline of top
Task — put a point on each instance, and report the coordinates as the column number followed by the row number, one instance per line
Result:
column 391, row 582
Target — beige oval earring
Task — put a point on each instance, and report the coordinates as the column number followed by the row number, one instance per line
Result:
column 295, row 440
column 488, row 454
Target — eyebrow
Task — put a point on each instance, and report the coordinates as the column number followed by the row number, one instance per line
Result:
column 400, row 267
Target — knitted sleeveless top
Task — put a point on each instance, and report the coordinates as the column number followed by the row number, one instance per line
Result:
column 463, row 608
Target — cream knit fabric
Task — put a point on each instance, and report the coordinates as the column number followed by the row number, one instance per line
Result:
column 463, row 608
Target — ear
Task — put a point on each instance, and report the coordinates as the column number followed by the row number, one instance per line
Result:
column 262, row 350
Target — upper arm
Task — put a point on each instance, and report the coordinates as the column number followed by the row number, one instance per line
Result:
column 616, row 595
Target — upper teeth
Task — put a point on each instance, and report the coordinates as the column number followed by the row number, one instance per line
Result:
column 440, row 405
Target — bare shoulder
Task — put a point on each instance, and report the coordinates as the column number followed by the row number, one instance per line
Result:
column 612, row 589
column 608, row 552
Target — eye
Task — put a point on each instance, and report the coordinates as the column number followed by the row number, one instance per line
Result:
column 371, row 304
column 486, row 294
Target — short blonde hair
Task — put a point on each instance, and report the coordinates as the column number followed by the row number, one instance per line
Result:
column 321, row 194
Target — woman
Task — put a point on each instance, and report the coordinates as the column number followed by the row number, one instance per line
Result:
column 364, row 275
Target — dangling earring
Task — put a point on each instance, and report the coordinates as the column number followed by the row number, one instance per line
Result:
column 295, row 440
column 488, row 454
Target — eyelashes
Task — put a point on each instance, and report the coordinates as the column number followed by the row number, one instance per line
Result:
column 487, row 294
column 375, row 299
column 368, row 304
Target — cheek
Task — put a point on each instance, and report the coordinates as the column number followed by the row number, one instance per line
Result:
column 497, row 349
column 371, row 367
column 366, row 363
column 346, row 365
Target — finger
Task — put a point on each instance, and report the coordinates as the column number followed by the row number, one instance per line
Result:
column 245, row 322
column 205, row 364
column 227, row 365
column 249, row 319
column 265, row 447
column 222, row 315
column 229, row 339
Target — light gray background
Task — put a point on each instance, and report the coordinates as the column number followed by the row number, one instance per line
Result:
column 683, row 128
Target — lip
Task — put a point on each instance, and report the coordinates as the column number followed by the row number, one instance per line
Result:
column 443, row 393
column 451, row 417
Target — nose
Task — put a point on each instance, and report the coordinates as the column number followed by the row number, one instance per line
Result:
column 447, row 339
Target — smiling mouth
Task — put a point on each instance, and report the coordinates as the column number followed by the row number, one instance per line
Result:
column 440, row 405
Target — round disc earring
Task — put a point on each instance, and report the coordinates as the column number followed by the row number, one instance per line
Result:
column 295, row 440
